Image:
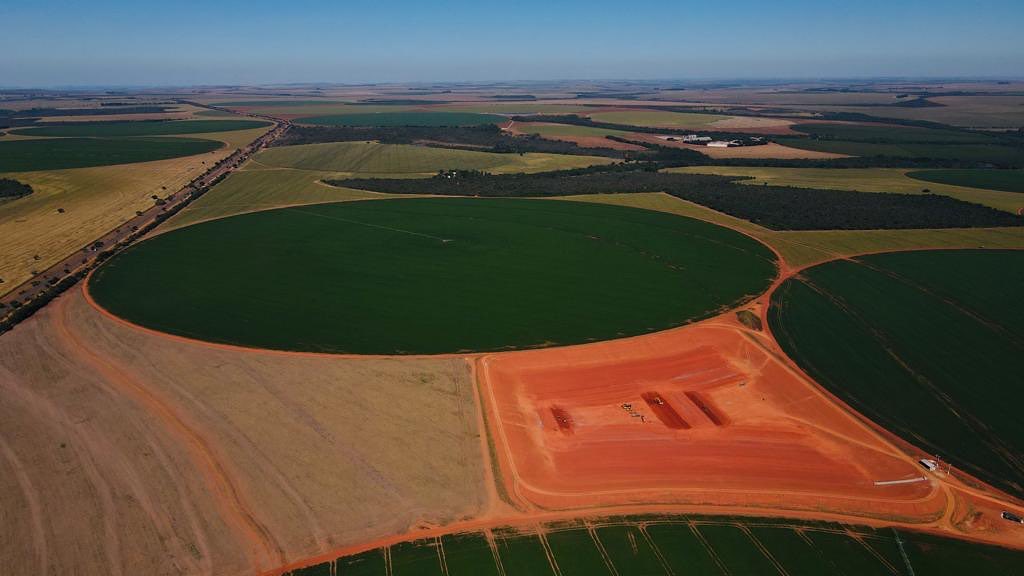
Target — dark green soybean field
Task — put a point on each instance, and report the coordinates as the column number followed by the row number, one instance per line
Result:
column 1004, row 180
column 433, row 275
column 61, row 153
column 141, row 128
column 928, row 344
column 404, row 119
column 690, row 546
column 907, row 142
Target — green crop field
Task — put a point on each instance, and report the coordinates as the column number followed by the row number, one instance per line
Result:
column 404, row 119
column 60, row 153
column 893, row 134
column 927, row 344
column 861, row 180
column 121, row 129
column 695, row 546
column 432, row 275
column 995, row 153
column 657, row 118
column 1004, row 180
column 389, row 160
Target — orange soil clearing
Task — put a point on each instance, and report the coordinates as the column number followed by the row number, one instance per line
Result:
column 758, row 434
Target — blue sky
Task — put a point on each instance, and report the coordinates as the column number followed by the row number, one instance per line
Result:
column 110, row 42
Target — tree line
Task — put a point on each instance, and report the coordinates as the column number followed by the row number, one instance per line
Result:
column 13, row 189
column 774, row 207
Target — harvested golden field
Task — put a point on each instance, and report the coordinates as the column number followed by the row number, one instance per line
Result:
column 754, row 124
column 178, row 112
column 861, row 180
column 253, row 189
column 95, row 200
column 387, row 160
column 129, row 452
column 802, row 248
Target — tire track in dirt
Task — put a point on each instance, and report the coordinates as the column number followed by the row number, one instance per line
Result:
column 48, row 412
column 264, row 548
column 35, row 512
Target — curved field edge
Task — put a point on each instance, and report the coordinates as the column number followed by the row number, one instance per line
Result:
column 255, row 189
column 915, row 342
column 665, row 544
column 508, row 283
column 95, row 200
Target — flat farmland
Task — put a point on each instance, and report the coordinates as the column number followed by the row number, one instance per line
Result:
column 1004, row 180
column 586, row 136
column 252, row 190
column 388, row 160
column 893, row 134
column 126, row 452
column 800, row 248
column 412, row 276
column 921, row 343
column 410, row 118
column 657, row 118
column 63, row 153
column 147, row 128
column 862, row 180
column 517, row 108
column 94, row 200
column 556, row 130
column 995, row 153
column 667, row 545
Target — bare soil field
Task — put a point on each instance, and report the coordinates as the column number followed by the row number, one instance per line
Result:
column 126, row 452
column 697, row 415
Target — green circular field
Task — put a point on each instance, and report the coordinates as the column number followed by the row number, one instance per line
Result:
column 927, row 344
column 426, row 275
column 404, row 119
